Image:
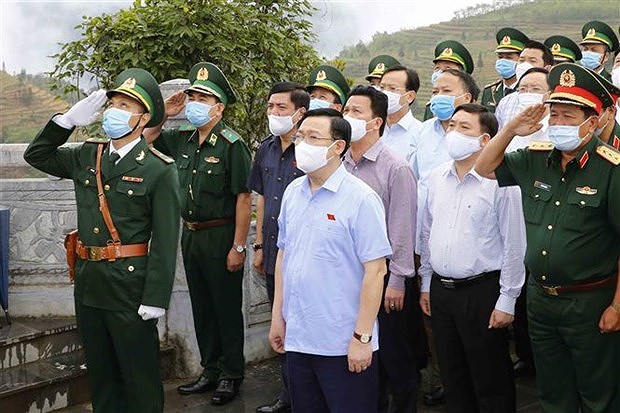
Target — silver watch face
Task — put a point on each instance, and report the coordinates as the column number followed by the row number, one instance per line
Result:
column 365, row 338
column 239, row 248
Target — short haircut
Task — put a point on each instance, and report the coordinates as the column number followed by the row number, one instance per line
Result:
column 534, row 70
column 467, row 81
column 413, row 80
column 340, row 129
column 299, row 95
column 547, row 55
column 378, row 102
column 588, row 112
column 487, row 120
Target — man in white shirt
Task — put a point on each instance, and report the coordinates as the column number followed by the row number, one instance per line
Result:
column 472, row 249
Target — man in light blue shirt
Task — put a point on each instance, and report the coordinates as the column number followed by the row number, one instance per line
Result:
column 329, row 275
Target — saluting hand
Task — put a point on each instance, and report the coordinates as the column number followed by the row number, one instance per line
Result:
column 527, row 121
column 84, row 112
column 175, row 103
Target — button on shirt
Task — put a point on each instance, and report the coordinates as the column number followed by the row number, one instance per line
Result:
column 399, row 137
column 470, row 227
column 391, row 178
column 430, row 150
column 271, row 173
column 326, row 237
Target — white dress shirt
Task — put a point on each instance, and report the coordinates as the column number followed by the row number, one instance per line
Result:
column 125, row 149
column 399, row 137
column 471, row 227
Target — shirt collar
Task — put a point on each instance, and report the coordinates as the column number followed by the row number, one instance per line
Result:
column 219, row 126
column 332, row 183
column 438, row 127
column 125, row 149
column 371, row 153
column 406, row 121
column 452, row 171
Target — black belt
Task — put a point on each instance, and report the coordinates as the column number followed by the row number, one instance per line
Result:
column 454, row 283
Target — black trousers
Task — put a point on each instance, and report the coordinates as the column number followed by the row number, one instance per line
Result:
column 474, row 360
column 398, row 358
column 523, row 345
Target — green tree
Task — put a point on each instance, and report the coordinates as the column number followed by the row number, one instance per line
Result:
column 255, row 44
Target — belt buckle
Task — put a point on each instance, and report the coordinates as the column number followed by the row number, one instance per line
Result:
column 190, row 225
column 94, row 254
column 447, row 283
column 553, row 290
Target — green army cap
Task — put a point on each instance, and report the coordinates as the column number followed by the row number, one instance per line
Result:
column 563, row 49
column 510, row 40
column 379, row 64
column 140, row 85
column 598, row 32
column 330, row 78
column 208, row 79
column 453, row 51
column 612, row 89
column 573, row 84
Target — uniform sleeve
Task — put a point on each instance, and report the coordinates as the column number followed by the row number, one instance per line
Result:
column 613, row 206
column 369, row 230
column 44, row 153
column 514, row 169
column 161, row 264
column 240, row 163
column 168, row 142
column 255, row 181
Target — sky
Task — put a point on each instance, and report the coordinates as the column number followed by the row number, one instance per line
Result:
column 31, row 30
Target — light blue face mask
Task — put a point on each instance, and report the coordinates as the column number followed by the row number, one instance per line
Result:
column 442, row 106
column 591, row 60
column 506, row 68
column 116, row 123
column 197, row 113
column 565, row 137
column 435, row 75
column 319, row 104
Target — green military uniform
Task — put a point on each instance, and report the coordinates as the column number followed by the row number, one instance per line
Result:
column 329, row 78
column 614, row 137
column 379, row 64
column 573, row 233
column 509, row 40
column 563, row 49
column 211, row 175
column 451, row 51
column 122, row 350
column 597, row 32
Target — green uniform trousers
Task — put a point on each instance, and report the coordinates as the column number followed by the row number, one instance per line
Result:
column 577, row 367
column 216, row 295
column 122, row 357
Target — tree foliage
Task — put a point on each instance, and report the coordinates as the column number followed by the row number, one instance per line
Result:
column 254, row 43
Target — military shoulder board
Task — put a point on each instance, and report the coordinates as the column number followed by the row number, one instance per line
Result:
column 608, row 153
column 161, row 156
column 229, row 135
column 540, row 146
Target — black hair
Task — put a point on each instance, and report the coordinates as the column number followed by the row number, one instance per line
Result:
column 378, row 102
column 340, row 129
column 299, row 95
column 487, row 120
column 467, row 81
column 534, row 70
column 413, row 80
column 547, row 55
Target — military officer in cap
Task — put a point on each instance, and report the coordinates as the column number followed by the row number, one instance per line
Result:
column 125, row 268
column 510, row 43
column 214, row 164
column 328, row 88
column 570, row 189
column 377, row 66
column 449, row 54
column 608, row 129
column 563, row 49
column 599, row 44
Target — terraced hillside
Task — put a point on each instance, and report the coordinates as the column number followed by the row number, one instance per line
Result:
column 538, row 19
column 24, row 107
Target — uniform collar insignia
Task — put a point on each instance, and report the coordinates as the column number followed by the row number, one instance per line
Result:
column 140, row 156
column 583, row 160
column 616, row 142
column 213, row 139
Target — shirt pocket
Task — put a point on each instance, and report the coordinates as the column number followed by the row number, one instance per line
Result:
column 581, row 210
column 131, row 199
column 86, row 189
column 329, row 239
column 213, row 177
column 534, row 205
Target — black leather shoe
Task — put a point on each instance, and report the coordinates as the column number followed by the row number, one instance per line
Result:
column 521, row 368
column 201, row 385
column 225, row 392
column 435, row 397
column 278, row 407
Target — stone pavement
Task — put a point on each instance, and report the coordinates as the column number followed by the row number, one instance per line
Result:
column 262, row 383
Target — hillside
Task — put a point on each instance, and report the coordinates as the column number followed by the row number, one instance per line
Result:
column 538, row 19
column 25, row 106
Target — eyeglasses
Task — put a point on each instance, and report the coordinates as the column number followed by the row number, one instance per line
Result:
column 310, row 139
column 531, row 89
column 392, row 88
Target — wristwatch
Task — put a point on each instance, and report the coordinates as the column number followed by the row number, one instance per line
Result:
column 363, row 338
column 257, row 247
column 239, row 248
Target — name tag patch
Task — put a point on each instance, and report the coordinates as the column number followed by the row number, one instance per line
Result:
column 542, row 185
column 132, row 178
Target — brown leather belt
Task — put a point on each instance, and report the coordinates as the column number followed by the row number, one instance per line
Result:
column 586, row 285
column 111, row 252
column 198, row 225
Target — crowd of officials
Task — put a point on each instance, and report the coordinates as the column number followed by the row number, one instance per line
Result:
column 382, row 239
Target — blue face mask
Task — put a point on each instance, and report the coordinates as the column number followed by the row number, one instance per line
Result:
column 318, row 104
column 116, row 123
column 435, row 75
column 565, row 137
column 591, row 60
column 506, row 68
column 442, row 106
column 197, row 113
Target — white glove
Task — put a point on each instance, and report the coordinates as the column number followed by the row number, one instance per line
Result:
column 147, row 312
column 84, row 112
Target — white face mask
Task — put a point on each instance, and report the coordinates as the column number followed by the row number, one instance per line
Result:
column 566, row 137
column 598, row 131
column 358, row 128
column 522, row 68
column 461, row 146
column 528, row 99
column 394, row 104
column 615, row 76
column 280, row 125
column 310, row 158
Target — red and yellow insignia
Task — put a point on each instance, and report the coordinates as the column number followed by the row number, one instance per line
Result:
column 583, row 160
column 567, row 78
column 203, row 74
column 506, row 40
column 321, row 75
column 212, row 159
column 447, row 51
column 586, row 190
column 616, row 142
column 591, row 32
column 556, row 47
column 130, row 83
